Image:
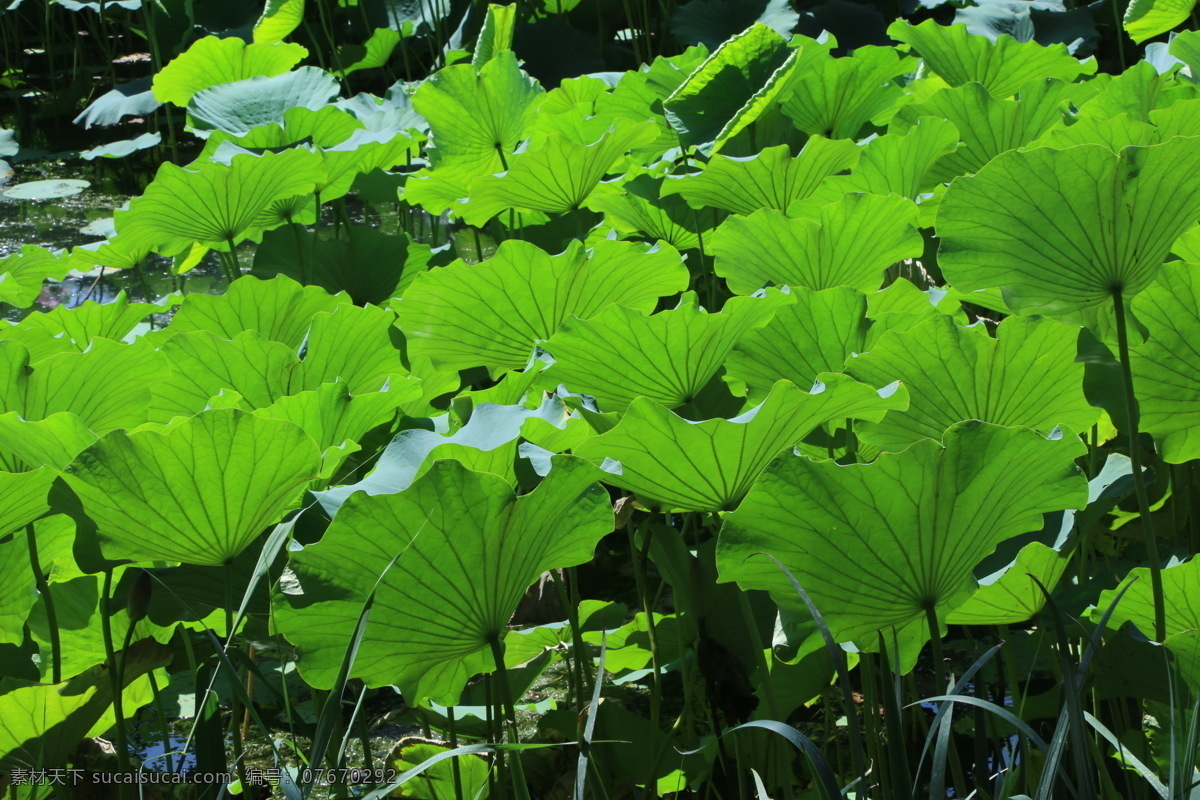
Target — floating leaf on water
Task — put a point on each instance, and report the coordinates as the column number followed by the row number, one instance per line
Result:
column 50, row 189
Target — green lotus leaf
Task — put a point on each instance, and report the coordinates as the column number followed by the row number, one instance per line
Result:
column 82, row 383
column 203, row 364
column 770, row 179
column 211, row 61
column 368, row 265
column 323, row 127
column 836, row 97
column 1062, row 230
column 64, row 329
column 18, row 590
column 1137, row 91
column 620, row 354
column 486, row 443
column 43, row 723
column 78, row 617
column 1185, row 46
column 371, row 54
column 853, row 242
column 892, row 164
column 988, row 126
column 673, row 463
column 1147, row 18
column 815, row 333
column 22, row 274
column 1166, row 368
column 1013, row 596
column 24, row 498
column 702, row 108
column 878, row 546
column 1026, row 376
column 496, row 35
column 477, row 118
column 493, row 313
column 52, row 442
column 636, row 207
column 199, row 492
column 555, row 176
column 364, row 151
column 240, row 106
column 1003, row 66
column 1182, row 613
column 278, row 20
column 1177, row 119
column 465, row 548
column 350, row 344
column 218, row 204
column 126, row 251
column 331, row 415
column 638, row 95
column 1115, row 134
column 279, row 309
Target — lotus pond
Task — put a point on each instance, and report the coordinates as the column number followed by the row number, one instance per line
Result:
column 607, row 399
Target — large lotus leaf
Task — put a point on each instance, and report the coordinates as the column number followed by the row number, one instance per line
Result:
column 674, row 463
column 24, row 497
column 1166, row 368
column 18, row 590
column 620, row 354
column 278, row 20
column 878, row 545
column 1026, row 376
column 107, row 386
column 73, row 328
column 44, row 723
column 331, row 415
column 891, row 164
column 237, row 107
column 211, row 61
column 367, row 264
column 465, row 549
column 637, row 207
column 988, row 126
column 814, row 334
column 126, row 251
column 203, row 365
column 1013, row 595
column 477, row 118
column 486, row 443
column 219, row 203
column 350, row 344
column 854, row 241
column 493, row 313
column 770, row 179
column 198, row 492
column 323, row 127
column 1061, row 230
column 1003, row 66
column 1182, row 610
column 279, row 309
column 555, row 176
column 702, row 107
column 1147, row 18
column 52, row 442
column 638, row 95
column 1137, row 91
column 836, row 97
column 22, row 274
column 364, row 151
